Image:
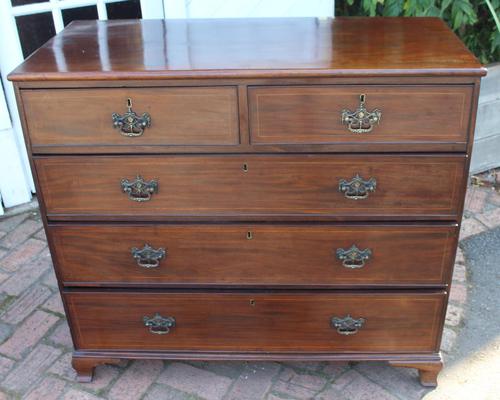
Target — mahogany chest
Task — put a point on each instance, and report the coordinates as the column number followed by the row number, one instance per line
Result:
column 267, row 189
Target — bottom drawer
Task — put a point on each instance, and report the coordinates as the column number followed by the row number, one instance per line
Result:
column 252, row 322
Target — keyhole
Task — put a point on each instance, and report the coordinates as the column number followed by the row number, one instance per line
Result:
column 245, row 167
column 129, row 103
column 249, row 235
column 252, row 302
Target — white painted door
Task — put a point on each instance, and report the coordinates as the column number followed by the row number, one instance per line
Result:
column 26, row 24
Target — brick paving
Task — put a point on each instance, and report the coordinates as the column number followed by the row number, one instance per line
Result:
column 35, row 346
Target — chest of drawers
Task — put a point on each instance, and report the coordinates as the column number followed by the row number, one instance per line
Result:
column 281, row 189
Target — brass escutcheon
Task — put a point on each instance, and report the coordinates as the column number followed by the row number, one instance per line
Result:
column 361, row 120
column 357, row 188
column 347, row 325
column 148, row 257
column 130, row 124
column 159, row 325
column 353, row 257
column 139, row 189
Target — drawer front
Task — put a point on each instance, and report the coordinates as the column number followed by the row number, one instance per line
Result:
column 253, row 255
column 178, row 116
column 409, row 115
column 298, row 322
column 252, row 186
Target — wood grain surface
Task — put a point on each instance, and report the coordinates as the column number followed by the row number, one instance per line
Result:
column 232, row 321
column 269, row 47
column 312, row 114
column 273, row 256
column 179, row 116
column 289, row 185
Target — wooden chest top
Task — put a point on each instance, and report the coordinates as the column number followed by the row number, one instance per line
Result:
column 253, row 48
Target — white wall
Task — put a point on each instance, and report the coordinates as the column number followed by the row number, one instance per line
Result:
column 486, row 150
column 248, row 8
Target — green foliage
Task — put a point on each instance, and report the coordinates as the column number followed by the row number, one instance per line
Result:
column 476, row 22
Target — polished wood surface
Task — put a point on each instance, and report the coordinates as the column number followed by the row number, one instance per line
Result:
column 248, row 148
column 158, row 49
column 86, row 119
column 300, row 118
column 274, row 255
column 291, row 185
column 230, row 321
column 312, row 114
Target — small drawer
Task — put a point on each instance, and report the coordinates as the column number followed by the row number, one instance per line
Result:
column 251, row 322
column 156, row 116
column 386, row 115
column 350, row 187
column 253, row 255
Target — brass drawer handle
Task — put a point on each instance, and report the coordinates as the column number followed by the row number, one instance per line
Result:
column 347, row 325
column 357, row 188
column 130, row 124
column 148, row 257
column 159, row 325
column 353, row 257
column 139, row 189
column 361, row 120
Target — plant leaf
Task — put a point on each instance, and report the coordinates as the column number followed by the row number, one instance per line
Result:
column 445, row 4
column 393, row 8
column 462, row 13
column 433, row 11
column 495, row 41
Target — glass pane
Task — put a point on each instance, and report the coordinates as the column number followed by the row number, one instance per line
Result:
column 22, row 2
column 70, row 14
column 34, row 30
column 124, row 10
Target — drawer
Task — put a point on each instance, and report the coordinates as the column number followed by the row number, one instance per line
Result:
column 254, row 255
column 409, row 115
column 246, row 322
column 252, row 186
column 178, row 116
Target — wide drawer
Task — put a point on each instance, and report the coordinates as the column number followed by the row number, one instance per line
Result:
column 253, row 255
column 408, row 114
column 273, row 322
column 252, row 186
column 178, row 116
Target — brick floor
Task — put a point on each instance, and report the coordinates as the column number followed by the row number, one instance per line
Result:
column 35, row 343
column 22, row 232
column 475, row 199
column 49, row 389
column 22, row 255
column 194, row 380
